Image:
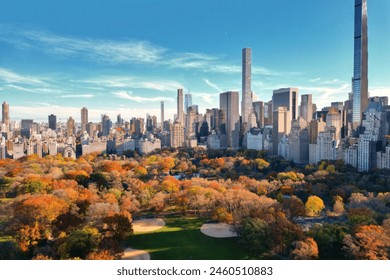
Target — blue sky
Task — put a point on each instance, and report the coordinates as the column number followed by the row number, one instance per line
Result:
column 124, row 56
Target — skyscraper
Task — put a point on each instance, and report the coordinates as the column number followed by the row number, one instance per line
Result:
column 52, row 122
column 180, row 112
column 258, row 108
column 5, row 114
column 229, row 104
column 306, row 109
column 162, row 115
column 84, row 119
column 360, row 65
column 246, row 102
column 286, row 97
column 187, row 101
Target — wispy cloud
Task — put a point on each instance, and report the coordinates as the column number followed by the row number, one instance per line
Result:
column 380, row 91
column 209, row 98
column 10, row 77
column 77, row 96
column 107, row 51
column 140, row 99
column 212, row 85
column 119, row 82
column 120, row 52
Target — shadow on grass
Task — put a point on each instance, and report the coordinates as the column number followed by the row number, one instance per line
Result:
column 181, row 239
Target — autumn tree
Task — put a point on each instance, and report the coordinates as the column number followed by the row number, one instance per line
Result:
column 261, row 164
column 314, row 205
column 100, row 255
column 118, row 226
column 293, row 207
column 368, row 242
column 338, row 206
column 304, row 250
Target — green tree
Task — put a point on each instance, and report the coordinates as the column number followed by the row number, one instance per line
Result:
column 80, row 243
column 257, row 235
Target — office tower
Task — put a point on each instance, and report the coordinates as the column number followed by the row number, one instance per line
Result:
column 268, row 113
column 180, row 112
column 306, row 109
column 286, row 97
column 360, row 65
column 52, row 122
column 258, row 109
column 119, row 120
column 384, row 100
column 5, row 115
column 190, row 126
column 187, row 102
column 106, row 125
column 84, row 119
column 26, row 126
column 229, row 104
column 70, row 127
column 162, row 115
column 281, row 126
column 246, row 102
column 149, row 124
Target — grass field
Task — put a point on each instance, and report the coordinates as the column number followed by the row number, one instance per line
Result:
column 181, row 239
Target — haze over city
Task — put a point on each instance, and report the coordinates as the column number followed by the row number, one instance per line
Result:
column 126, row 57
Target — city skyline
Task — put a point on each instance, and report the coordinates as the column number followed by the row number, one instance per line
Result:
column 59, row 69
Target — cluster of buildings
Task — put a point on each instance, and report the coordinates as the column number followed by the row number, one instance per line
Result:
column 290, row 125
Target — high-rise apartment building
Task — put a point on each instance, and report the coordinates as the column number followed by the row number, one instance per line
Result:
column 5, row 115
column 360, row 65
column 70, row 127
column 52, row 122
column 84, row 119
column 180, row 112
column 246, row 101
column 281, row 126
column 229, row 104
column 177, row 135
column 306, row 108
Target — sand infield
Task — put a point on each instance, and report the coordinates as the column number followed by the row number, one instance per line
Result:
column 218, row 230
column 135, row 254
column 148, row 225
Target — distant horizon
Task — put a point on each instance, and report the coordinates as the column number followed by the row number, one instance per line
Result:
column 126, row 58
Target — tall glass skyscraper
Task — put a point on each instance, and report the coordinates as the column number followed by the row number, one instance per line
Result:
column 360, row 66
column 246, row 101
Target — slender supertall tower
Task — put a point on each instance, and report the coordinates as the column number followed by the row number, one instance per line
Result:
column 84, row 119
column 360, row 65
column 246, row 101
column 162, row 115
column 180, row 112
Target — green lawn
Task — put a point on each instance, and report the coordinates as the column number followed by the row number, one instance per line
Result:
column 181, row 239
